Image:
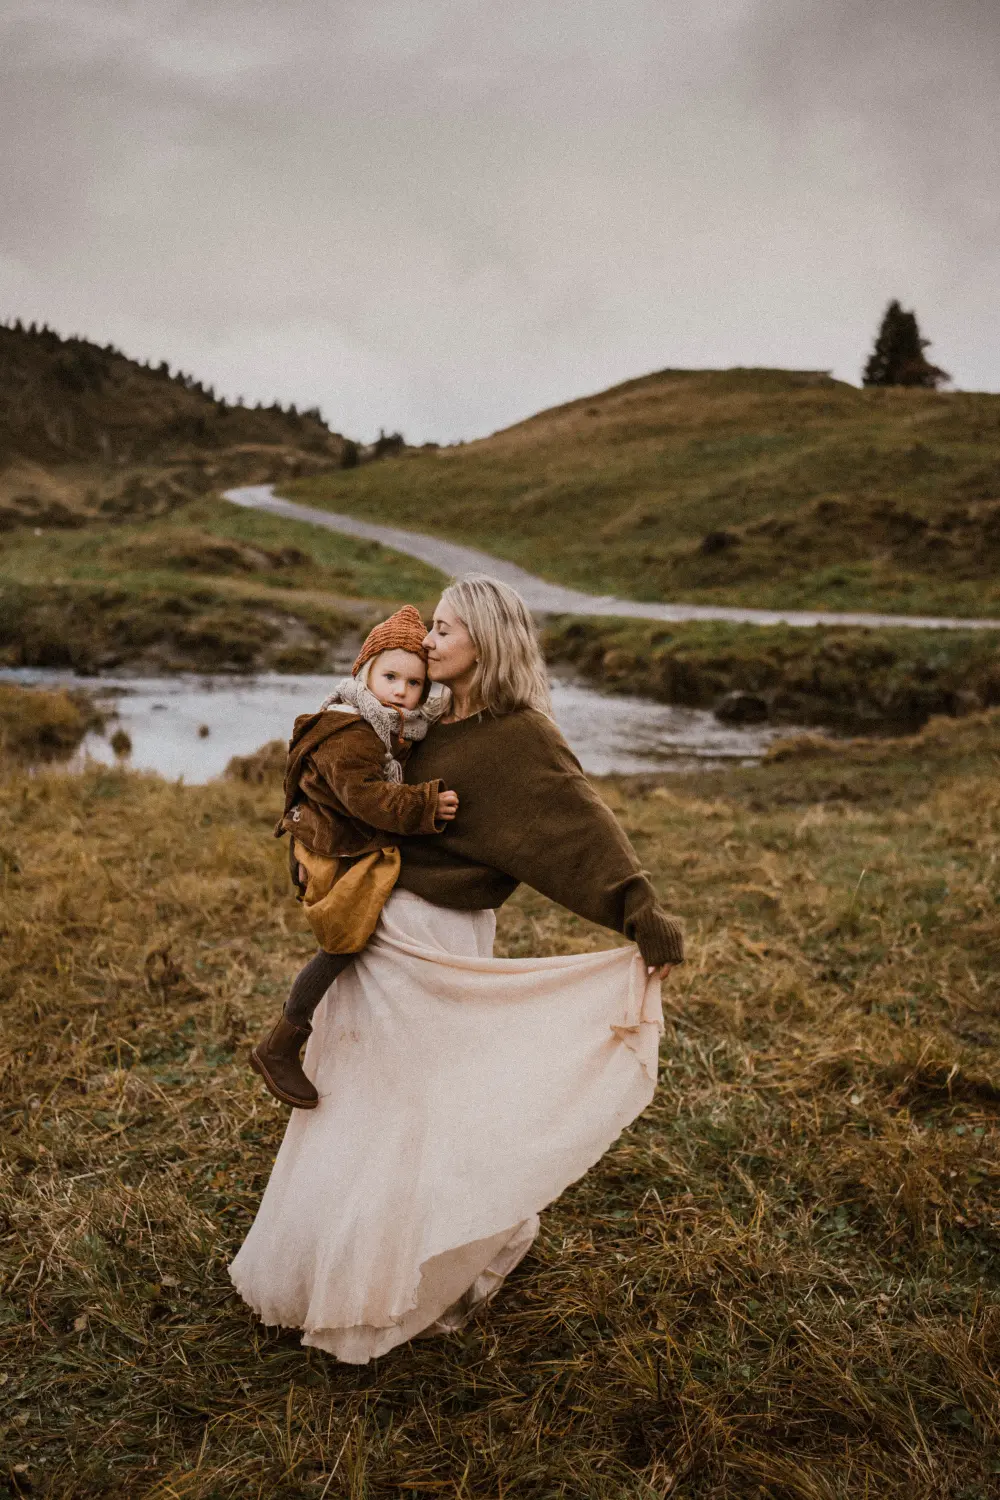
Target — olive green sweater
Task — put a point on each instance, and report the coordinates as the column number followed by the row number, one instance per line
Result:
column 527, row 813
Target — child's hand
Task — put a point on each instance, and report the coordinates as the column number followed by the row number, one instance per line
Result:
column 447, row 806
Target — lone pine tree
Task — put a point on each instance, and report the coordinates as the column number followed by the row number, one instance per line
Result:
column 898, row 357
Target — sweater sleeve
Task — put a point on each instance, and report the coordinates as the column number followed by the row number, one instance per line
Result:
column 355, row 776
column 572, row 848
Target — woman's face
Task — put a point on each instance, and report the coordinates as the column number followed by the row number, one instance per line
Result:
column 451, row 655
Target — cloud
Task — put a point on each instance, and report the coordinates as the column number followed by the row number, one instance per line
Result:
column 912, row 84
column 441, row 214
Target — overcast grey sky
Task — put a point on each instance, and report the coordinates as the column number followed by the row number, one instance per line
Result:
column 442, row 215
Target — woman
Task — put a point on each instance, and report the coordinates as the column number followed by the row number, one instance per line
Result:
column 460, row 1094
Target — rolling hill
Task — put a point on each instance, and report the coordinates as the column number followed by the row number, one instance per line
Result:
column 116, row 552
column 754, row 487
column 87, row 432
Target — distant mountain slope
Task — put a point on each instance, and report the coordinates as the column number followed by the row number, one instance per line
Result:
column 757, row 487
column 115, row 553
column 86, row 432
column 68, row 400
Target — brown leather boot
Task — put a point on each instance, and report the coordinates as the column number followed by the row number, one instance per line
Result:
column 276, row 1059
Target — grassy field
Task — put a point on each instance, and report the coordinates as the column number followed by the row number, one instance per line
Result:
column 212, row 538
column 114, row 555
column 755, row 487
column 781, row 1282
column 206, row 587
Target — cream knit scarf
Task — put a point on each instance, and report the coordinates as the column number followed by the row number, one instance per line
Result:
column 407, row 723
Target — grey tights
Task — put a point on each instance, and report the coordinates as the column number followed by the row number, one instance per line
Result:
column 312, row 983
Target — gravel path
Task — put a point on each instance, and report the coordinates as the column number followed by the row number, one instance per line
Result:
column 552, row 598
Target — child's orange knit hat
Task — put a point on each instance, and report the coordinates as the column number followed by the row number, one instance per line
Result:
column 403, row 631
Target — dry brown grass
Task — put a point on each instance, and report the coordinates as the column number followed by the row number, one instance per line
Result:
column 782, row 1281
column 39, row 725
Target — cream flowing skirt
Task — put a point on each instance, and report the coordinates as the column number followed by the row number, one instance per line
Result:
column 459, row 1095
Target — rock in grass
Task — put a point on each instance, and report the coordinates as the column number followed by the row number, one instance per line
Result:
column 739, row 707
column 717, row 541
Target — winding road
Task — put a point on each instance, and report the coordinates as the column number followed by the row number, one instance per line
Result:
column 552, row 598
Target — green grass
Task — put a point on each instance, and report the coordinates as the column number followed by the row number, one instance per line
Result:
column 781, row 1282
column 211, row 586
column 853, row 679
column 207, row 587
column 827, row 496
column 753, row 487
column 214, row 538
column 140, row 628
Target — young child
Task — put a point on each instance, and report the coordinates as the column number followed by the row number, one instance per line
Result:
column 345, row 800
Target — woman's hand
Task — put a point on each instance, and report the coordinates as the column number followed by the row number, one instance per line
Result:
column 447, row 806
column 659, row 973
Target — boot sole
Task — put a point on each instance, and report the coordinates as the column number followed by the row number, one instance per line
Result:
column 293, row 1100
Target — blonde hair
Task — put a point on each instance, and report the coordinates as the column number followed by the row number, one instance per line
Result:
column 511, row 672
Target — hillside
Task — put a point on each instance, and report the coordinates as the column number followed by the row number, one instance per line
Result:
column 86, row 431
column 755, row 487
column 207, row 587
column 67, row 399
column 116, row 552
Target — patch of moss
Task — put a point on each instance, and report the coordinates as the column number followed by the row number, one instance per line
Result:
column 91, row 628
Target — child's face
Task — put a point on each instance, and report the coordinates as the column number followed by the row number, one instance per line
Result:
column 397, row 679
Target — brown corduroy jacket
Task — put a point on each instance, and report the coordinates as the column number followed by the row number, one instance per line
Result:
column 338, row 802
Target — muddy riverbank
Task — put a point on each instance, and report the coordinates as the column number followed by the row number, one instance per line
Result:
column 853, row 680
column 856, row 681
column 856, row 672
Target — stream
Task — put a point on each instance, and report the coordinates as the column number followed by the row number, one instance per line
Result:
column 166, row 719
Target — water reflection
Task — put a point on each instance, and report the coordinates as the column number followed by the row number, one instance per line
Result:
column 166, row 720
